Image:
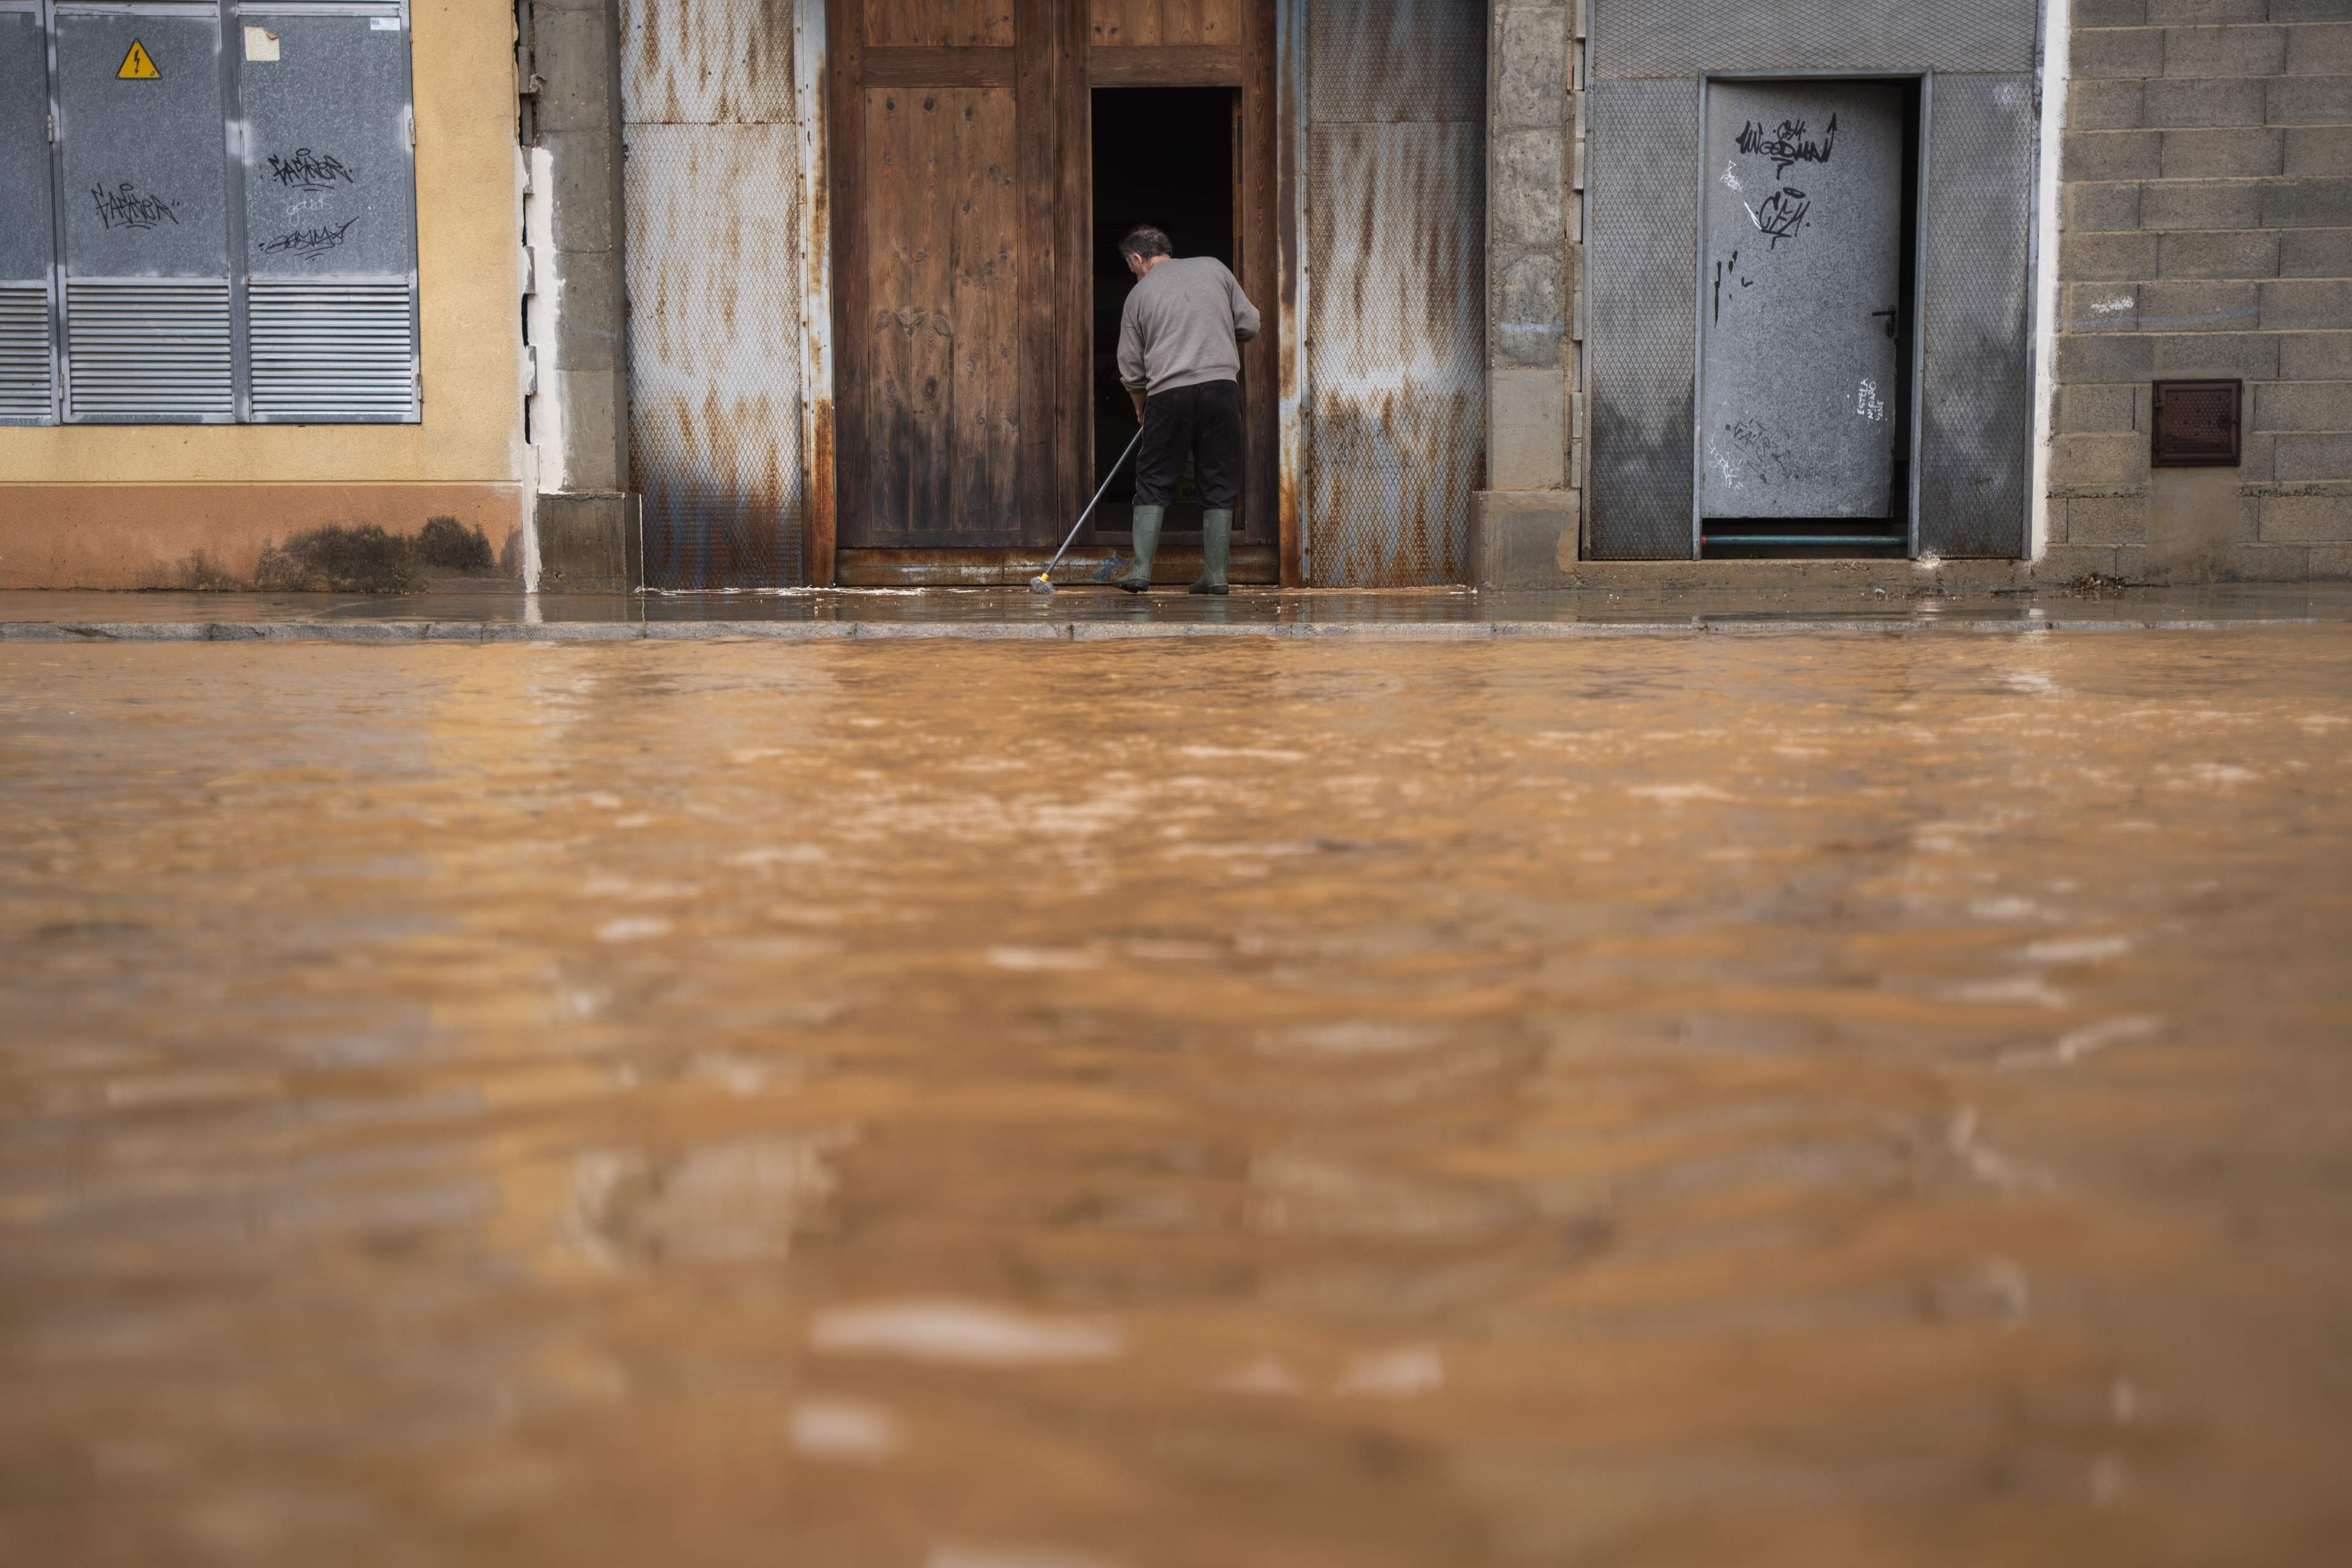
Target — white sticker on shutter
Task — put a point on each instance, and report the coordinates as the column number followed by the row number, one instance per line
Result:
column 332, row 349
column 25, row 392
column 151, row 349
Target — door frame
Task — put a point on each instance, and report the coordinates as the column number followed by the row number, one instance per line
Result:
column 1916, row 371
column 1054, row 64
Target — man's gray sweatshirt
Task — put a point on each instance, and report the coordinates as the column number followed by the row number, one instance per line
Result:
column 1182, row 323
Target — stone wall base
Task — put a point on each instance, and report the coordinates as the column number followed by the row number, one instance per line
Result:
column 1522, row 539
column 590, row 544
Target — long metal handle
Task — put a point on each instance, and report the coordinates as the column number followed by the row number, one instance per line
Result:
column 1115, row 468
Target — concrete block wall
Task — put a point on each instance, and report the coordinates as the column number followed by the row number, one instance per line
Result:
column 1525, row 524
column 2206, row 230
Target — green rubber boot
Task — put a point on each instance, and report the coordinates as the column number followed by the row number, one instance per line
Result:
column 1216, row 550
column 1146, row 545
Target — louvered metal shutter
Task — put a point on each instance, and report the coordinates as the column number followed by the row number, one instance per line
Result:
column 27, row 366
column 329, row 214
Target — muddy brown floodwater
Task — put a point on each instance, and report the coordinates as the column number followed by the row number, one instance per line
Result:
column 1737, row 1099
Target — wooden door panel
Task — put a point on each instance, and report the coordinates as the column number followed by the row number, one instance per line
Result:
column 1147, row 24
column 943, row 353
column 940, row 23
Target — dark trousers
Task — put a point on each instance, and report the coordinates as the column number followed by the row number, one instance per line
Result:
column 1203, row 422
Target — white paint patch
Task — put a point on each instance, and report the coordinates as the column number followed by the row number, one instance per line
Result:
column 1393, row 1374
column 2019, row 991
column 1042, row 960
column 969, row 1333
column 2076, row 1044
column 1731, row 176
column 2112, row 307
column 1867, row 403
column 843, row 1429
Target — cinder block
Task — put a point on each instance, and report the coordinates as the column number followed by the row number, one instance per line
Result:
column 1527, row 420
column 2201, row 307
column 2316, row 356
column 2227, row 154
column 2302, row 519
column 2106, row 519
column 2110, row 52
column 2094, row 207
column 2304, row 459
column 585, row 211
column 2303, row 406
column 2309, row 10
column 2308, row 99
column 2306, row 203
column 2064, row 562
column 2113, row 154
column 1528, row 323
column 2103, row 357
column 2307, row 304
column 2195, row 520
column 2109, row 13
column 2224, row 51
column 2330, row 562
column 2257, row 451
column 2054, row 514
column 2130, row 255
column 595, row 440
column 1526, row 184
column 2321, row 49
column 1532, row 66
column 2104, row 105
column 2273, row 564
column 2315, row 253
column 2251, row 355
column 2098, row 462
column 588, row 543
column 2202, row 12
column 1522, row 541
column 2096, row 408
column 2197, row 204
column 2221, row 253
column 571, row 49
column 2099, row 307
column 2204, row 101
column 2323, row 150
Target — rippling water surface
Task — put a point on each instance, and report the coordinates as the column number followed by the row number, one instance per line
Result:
column 1761, row 1100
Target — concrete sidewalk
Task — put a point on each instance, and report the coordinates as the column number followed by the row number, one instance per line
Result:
column 1089, row 613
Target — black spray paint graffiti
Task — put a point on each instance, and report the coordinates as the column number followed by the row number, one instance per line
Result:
column 1788, row 144
column 304, row 170
column 1743, row 282
column 1781, row 216
column 306, row 243
column 125, row 207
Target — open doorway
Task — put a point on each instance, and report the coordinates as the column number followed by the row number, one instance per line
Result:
column 1166, row 156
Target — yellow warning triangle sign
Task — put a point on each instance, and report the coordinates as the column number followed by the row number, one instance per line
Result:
column 137, row 67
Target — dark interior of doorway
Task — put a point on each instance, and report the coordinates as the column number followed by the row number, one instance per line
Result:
column 1165, row 157
column 1724, row 539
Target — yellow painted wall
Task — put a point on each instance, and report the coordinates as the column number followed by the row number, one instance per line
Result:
column 467, row 220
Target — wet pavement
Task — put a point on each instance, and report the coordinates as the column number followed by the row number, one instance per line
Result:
column 1773, row 1099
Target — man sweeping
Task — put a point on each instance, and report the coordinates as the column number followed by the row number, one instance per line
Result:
column 1179, row 358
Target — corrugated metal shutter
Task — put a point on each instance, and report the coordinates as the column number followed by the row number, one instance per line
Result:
column 151, row 351
column 1396, row 332
column 332, row 349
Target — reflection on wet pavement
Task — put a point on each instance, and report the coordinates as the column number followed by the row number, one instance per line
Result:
column 1781, row 1100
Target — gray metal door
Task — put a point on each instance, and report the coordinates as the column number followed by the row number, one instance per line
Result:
column 1800, row 299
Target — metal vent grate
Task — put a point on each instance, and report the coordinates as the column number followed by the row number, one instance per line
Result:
column 1976, row 397
column 151, row 350
column 1684, row 38
column 332, row 349
column 1396, row 336
column 714, row 352
column 27, row 391
column 1643, row 297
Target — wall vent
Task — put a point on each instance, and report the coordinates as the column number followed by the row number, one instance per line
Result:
column 332, row 350
column 153, row 349
column 27, row 391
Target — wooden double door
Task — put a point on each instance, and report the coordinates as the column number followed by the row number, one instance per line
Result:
column 962, row 271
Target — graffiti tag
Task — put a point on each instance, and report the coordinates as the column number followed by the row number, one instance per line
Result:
column 303, row 169
column 306, row 243
column 125, row 206
column 1788, row 143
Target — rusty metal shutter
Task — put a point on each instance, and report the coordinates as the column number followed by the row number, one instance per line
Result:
column 329, row 213
column 1395, row 225
column 27, row 365
column 714, row 273
column 144, row 194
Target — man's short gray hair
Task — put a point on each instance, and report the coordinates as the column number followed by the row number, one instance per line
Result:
column 1144, row 241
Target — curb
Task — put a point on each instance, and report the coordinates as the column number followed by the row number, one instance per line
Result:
column 381, row 633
